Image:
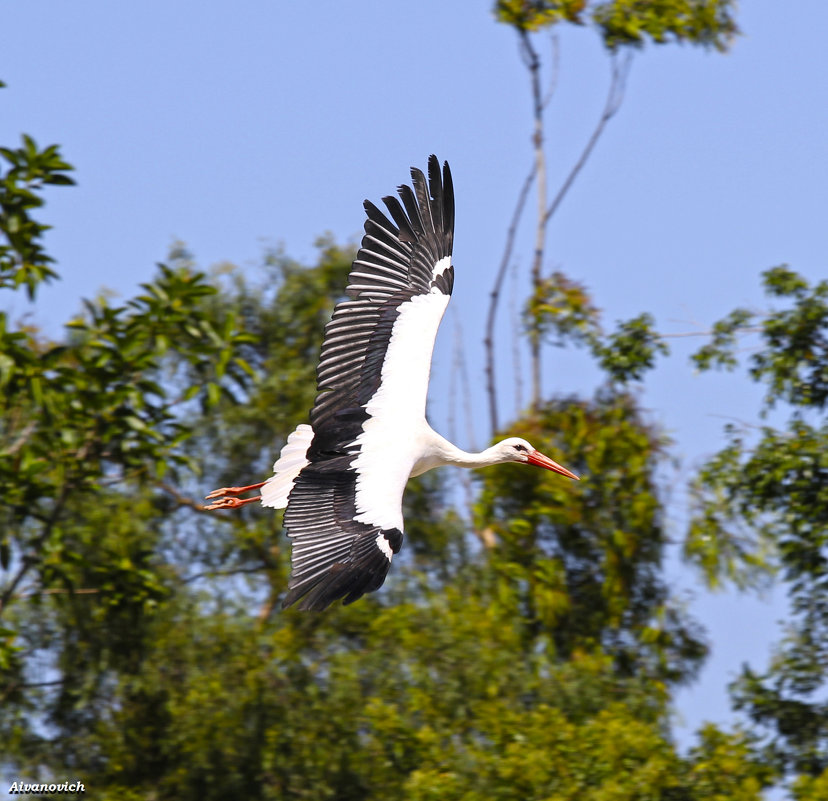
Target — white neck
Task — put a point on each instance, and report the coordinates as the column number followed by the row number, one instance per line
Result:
column 440, row 451
column 465, row 459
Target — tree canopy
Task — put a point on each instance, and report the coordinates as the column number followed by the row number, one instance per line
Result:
column 762, row 504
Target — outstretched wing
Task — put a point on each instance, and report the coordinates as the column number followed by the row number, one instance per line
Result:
column 344, row 511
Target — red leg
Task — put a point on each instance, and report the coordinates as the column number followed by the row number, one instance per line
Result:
column 233, row 490
column 231, row 503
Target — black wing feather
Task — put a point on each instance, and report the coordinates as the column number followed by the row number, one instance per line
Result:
column 412, row 210
column 423, row 200
column 333, row 555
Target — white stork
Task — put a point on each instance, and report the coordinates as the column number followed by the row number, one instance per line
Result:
column 342, row 477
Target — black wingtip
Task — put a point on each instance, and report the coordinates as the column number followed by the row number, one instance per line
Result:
column 448, row 204
column 441, row 189
column 348, row 582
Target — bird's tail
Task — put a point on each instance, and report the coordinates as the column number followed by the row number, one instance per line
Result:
column 290, row 463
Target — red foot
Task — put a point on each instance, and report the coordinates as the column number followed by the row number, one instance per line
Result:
column 224, row 502
column 233, row 490
column 230, row 503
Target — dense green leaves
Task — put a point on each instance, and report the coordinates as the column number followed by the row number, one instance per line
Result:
column 561, row 311
column 404, row 701
column 27, row 169
column 773, row 484
column 719, row 352
column 621, row 23
column 791, row 362
column 94, row 412
column 531, row 15
column 631, row 350
column 762, row 502
column 710, row 23
column 585, row 556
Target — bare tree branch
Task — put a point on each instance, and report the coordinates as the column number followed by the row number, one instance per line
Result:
column 452, row 395
column 620, row 67
column 234, row 571
column 494, row 298
column 465, row 389
column 22, row 438
column 532, row 61
column 459, row 371
column 555, row 51
column 180, row 499
column 9, row 590
column 615, row 96
column 514, row 324
column 753, row 329
column 29, row 560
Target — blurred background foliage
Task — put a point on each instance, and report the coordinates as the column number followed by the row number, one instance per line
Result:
column 527, row 647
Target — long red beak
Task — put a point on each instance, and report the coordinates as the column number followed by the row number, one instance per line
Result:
column 539, row 460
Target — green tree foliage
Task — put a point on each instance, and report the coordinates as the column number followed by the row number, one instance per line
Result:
column 89, row 416
column 586, row 555
column 435, row 699
column 27, row 169
column 630, row 22
column 762, row 502
column 561, row 311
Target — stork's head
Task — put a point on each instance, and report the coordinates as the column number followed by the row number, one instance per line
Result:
column 515, row 449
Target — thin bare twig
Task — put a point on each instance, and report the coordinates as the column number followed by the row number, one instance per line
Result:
column 14, row 686
column 465, row 388
column 234, row 571
column 34, row 546
column 732, row 419
column 746, row 330
column 555, row 49
column 22, row 438
column 459, row 371
column 615, row 96
column 452, row 395
column 494, row 298
column 180, row 499
column 514, row 322
column 532, row 61
column 267, row 607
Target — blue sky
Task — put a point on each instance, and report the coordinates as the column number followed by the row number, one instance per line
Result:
column 238, row 126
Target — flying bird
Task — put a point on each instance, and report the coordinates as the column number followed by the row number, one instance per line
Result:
column 341, row 478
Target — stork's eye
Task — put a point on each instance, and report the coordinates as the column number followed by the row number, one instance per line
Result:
column 521, row 448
